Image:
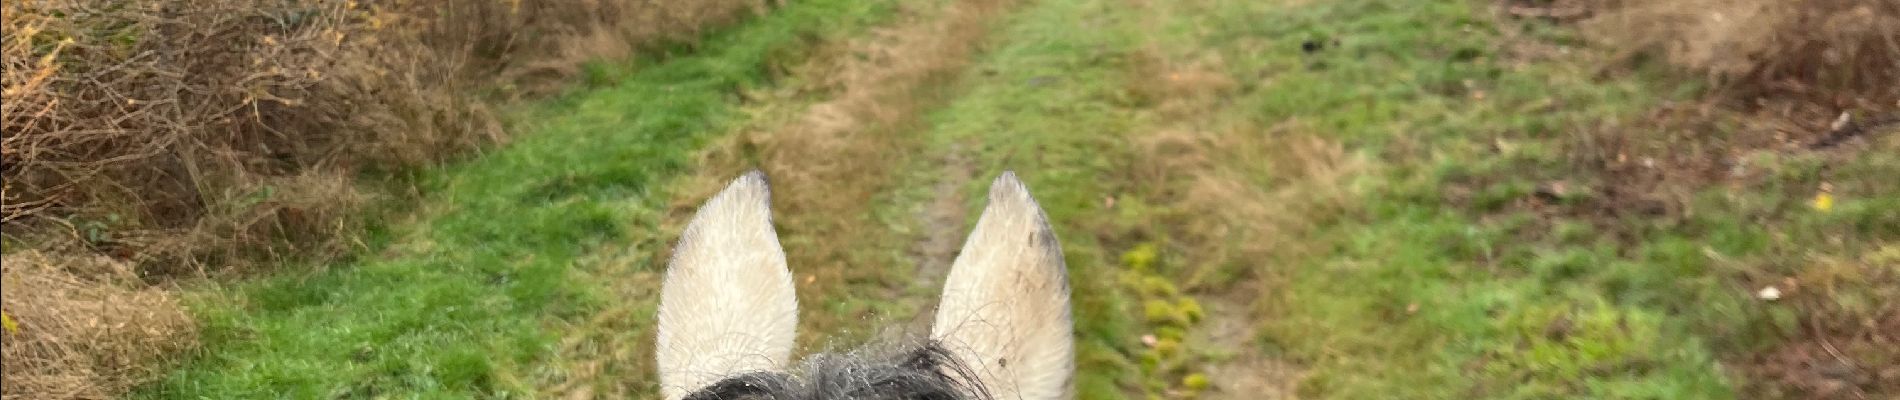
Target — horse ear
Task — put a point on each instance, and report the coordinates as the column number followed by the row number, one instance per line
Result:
column 1005, row 307
column 727, row 305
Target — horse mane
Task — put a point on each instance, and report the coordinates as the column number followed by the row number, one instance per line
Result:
column 918, row 372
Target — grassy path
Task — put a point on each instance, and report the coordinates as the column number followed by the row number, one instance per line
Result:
column 1258, row 199
column 472, row 298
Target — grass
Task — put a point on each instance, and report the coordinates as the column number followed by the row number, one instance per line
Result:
column 1432, row 256
column 1369, row 210
column 1438, row 249
column 830, row 140
column 1049, row 104
column 1444, row 252
column 470, row 298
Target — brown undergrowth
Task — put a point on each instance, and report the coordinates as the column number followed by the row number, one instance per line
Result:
column 1839, row 53
column 83, row 326
column 172, row 134
column 193, row 138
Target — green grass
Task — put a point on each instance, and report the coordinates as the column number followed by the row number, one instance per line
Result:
column 1509, row 304
column 1432, row 281
column 467, row 299
column 1498, row 315
column 1059, row 133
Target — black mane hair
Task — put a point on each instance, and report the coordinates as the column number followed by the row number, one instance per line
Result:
column 925, row 372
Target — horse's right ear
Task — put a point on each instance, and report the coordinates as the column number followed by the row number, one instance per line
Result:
column 727, row 305
column 1005, row 307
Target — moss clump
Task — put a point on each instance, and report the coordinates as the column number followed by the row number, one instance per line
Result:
column 1142, row 257
column 1166, row 364
column 1155, row 286
column 1167, row 347
column 1196, row 382
column 1190, row 310
column 1160, row 312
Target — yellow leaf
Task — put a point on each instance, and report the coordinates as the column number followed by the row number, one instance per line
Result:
column 1823, row 201
column 7, row 321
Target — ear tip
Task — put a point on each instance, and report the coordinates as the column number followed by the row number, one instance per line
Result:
column 752, row 185
column 754, row 179
column 755, row 175
column 744, row 200
column 1008, row 187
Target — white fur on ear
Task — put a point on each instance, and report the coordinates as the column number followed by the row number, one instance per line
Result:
column 1005, row 307
column 727, row 306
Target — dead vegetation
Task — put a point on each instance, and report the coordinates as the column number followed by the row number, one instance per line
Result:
column 1790, row 81
column 139, row 122
column 1235, row 190
column 186, row 138
column 1839, row 53
column 84, row 327
column 1848, row 348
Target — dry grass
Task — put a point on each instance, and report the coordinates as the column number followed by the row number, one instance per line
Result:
column 1219, row 174
column 532, row 44
column 1237, row 191
column 1836, row 52
column 830, row 159
column 147, row 121
column 139, row 122
column 87, row 327
column 1231, row 196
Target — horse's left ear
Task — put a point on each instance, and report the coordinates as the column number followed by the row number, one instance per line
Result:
column 1005, row 307
column 727, row 305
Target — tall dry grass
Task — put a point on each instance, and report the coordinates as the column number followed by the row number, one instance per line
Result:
column 188, row 136
column 1234, row 190
column 1842, row 52
column 83, row 326
column 134, row 123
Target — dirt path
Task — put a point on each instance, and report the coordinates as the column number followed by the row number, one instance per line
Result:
column 1192, row 91
column 942, row 221
column 829, row 137
column 835, row 162
column 1242, row 373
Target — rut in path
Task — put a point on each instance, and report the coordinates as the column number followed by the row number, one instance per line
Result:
column 1247, row 374
column 941, row 218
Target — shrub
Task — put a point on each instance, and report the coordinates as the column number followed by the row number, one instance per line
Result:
column 183, row 122
column 182, row 134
